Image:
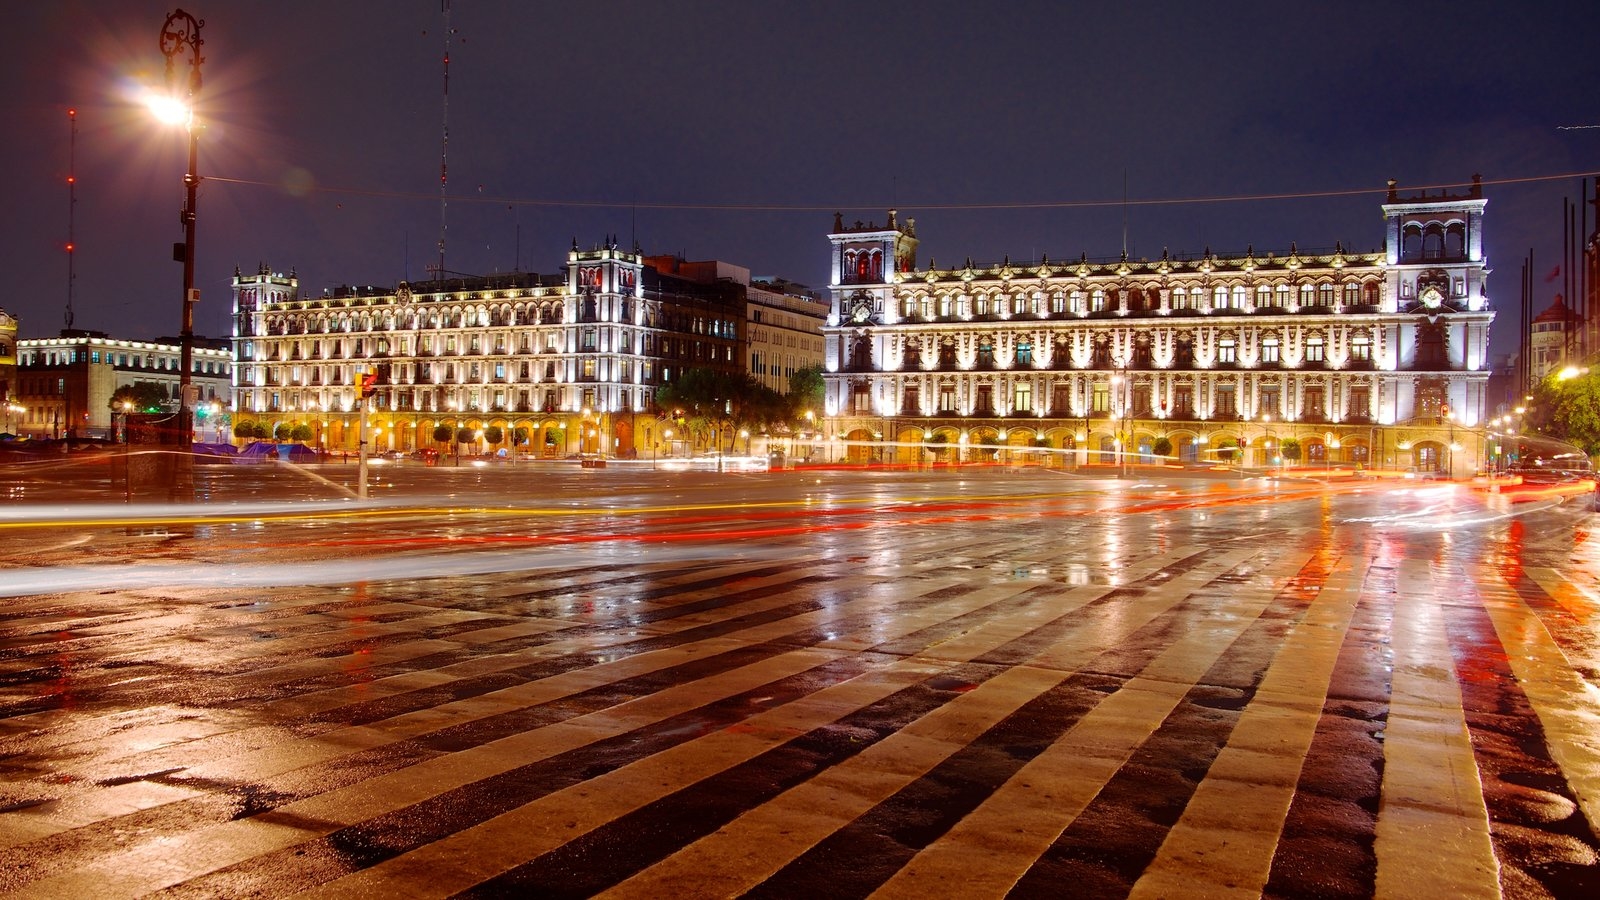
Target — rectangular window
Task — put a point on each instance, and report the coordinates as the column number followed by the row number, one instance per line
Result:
column 1271, row 402
column 1361, row 349
column 1360, row 402
column 1315, row 351
column 947, row 398
column 1101, row 399
column 1022, row 398
column 1183, row 401
column 1227, row 406
column 1269, row 352
column 1227, row 352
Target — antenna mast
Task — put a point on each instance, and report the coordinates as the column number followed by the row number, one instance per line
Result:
column 444, row 143
column 72, row 208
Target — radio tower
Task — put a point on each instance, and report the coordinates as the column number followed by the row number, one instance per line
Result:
column 444, row 143
column 72, row 207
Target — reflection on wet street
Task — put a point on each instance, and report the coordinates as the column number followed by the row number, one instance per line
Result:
column 973, row 683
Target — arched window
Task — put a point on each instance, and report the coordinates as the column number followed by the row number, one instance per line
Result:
column 1325, row 294
column 1179, row 298
column 1284, row 295
column 1264, row 295
column 1219, row 297
column 1411, row 243
column 1433, row 242
column 1238, row 296
column 1097, row 301
column 1352, row 294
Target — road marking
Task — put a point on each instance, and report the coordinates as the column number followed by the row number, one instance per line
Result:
column 1433, row 824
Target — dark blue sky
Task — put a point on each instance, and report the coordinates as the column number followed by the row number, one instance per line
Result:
column 328, row 117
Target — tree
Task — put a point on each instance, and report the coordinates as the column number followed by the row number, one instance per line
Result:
column 493, row 435
column 1568, row 410
column 263, row 431
column 1162, row 446
column 244, row 429
column 807, row 393
column 442, row 434
column 301, row 432
column 283, row 431
column 1290, row 448
column 1225, row 449
column 146, row 396
column 464, row 435
column 716, row 403
column 519, row 436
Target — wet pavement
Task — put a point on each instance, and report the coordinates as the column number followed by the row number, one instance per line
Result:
column 983, row 682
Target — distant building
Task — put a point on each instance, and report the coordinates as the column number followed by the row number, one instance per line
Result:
column 783, row 320
column 8, row 369
column 66, row 382
column 1555, row 339
column 572, row 360
column 1362, row 358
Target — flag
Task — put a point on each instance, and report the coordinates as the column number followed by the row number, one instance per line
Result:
column 1554, row 274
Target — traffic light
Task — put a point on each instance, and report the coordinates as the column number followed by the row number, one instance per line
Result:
column 369, row 384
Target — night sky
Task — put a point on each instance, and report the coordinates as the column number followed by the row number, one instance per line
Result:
column 734, row 130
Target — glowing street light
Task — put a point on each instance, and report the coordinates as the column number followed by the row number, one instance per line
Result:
column 180, row 35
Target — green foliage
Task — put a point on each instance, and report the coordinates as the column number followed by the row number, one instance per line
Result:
column 1290, row 449
column 718, row 404
column 519, row 436
column 301, row 432
column 807, row 391
column 1569, row 410
column 493, row 435
column 442, row 434
column 464, row 435
column 244, row 429
column 1162, row 446
column 263, row 431
column 283, row 431
column 1226, row 449
column 146, row 396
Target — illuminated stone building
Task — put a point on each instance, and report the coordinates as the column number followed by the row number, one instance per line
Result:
column 1362, row 358
column 65, row 383
column 571, row 361
column 8, row 369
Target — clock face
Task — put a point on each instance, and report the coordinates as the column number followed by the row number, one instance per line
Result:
column 1431, row 297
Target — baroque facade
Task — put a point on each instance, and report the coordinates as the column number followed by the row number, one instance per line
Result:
column 569, row 363
column 1376, row 359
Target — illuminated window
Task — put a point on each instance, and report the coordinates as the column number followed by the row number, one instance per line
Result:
column 1058, row 303
column 1239, row 294
column 1227, row 351
column 1097, row 301
column 1269, row 350
column 1180, row 298
column 1284, row 295
column 1352, row 294
column 1325, row 294
column 1361, row 348
column 1264, row 295
column 1219, row 297
column 1024, row 353
column 1308, row 295
column 1022, row 398
column 947, row 398
column 1315, row 350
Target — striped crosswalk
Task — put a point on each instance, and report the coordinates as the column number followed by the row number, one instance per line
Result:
column 935, row 713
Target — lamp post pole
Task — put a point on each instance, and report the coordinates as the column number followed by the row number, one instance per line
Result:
column 181, row 34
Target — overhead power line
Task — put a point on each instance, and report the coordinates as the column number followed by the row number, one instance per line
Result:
column 829, row 207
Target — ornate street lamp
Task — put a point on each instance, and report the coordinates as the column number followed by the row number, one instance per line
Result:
column 180, row 35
